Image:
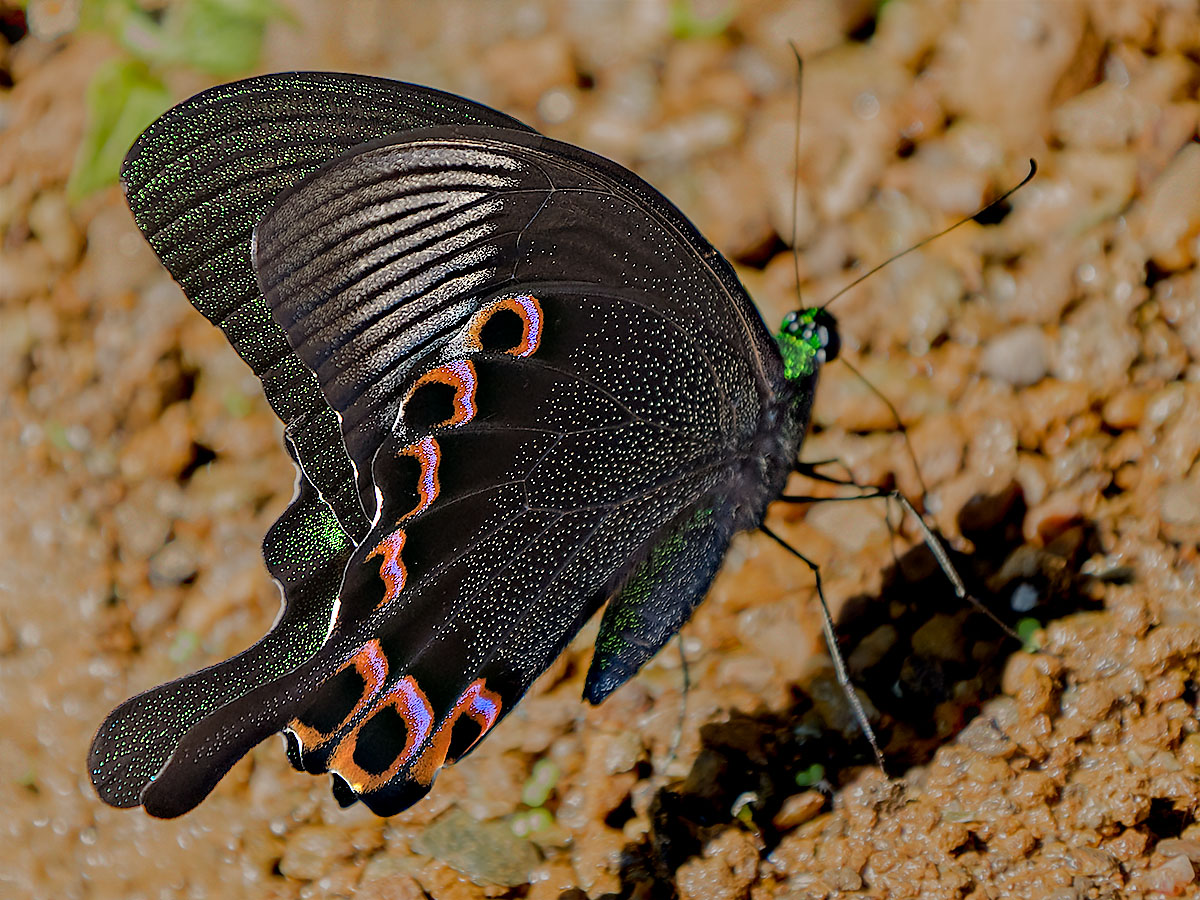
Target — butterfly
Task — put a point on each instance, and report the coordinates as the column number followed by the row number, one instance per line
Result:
column 518, row 386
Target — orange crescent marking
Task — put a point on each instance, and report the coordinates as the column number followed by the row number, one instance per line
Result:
column 427, row 452
column 460, row 375
column 530, row 311
column 372, row 665
column 476, row 702
column 407, row 698
column 527, row 307
column 392, row 569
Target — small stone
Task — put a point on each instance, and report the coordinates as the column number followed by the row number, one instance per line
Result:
column 1168, row 878
column 1180, row 503
column 1166, row 220
column 524, row 69
column 1124, row 409
column 798, row 809
column 1052, row 517
column 312, row 850
column 941, row 638
column 174, row 564
column 1179, row 847
column 1019, row 357
column 50, row 221
column 844, row 879
column 983, row 736
column 872, row 649
column 392, row 887
column 486, row 852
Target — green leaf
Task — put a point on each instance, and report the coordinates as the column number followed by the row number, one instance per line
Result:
column 814, row 774
column 187, row 642
column 530, row 822
column 541, row 782
column 123, row 97
column 222, row 37
column 1027, row 631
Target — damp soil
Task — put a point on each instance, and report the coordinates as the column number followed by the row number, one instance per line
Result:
column 1044, row 361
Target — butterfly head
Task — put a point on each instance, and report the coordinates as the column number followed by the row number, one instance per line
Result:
column 808, row 338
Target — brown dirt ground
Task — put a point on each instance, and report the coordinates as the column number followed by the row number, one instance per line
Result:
column 1047, row 368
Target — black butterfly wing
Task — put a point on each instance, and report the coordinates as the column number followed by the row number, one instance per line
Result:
column 197, row 181
column 660, row 596
column 201, row 177
column 306, row 552
column 549, row 376
column 377, row 263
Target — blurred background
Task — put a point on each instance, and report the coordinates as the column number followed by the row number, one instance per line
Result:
column 1043, row 360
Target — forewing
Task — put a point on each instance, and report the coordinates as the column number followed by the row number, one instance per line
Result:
column 373, row 265
column 199, row 179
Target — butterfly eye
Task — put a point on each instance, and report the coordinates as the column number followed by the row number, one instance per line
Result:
column 443, row 396
column 831, row 343
column 827, row 334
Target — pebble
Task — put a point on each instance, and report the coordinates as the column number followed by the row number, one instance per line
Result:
column 1165, row 219
column 1019, row 357
column 798, row 809
column 486, row 852
column 174, row 564
column 1180, row 502
column 312, row 850
column 982, row 736
column 51, row 223
column 1168, row 878
column 1188, row 847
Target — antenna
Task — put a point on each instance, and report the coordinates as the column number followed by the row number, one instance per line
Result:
column 934, row 237
column 796, row 161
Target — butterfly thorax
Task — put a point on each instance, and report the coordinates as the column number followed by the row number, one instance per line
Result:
column 807, row 339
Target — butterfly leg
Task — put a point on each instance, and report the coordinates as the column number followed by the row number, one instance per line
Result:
column 943, row 560
column 812, row 470
column 677, row 737
column 839, row 664
column 931, row 540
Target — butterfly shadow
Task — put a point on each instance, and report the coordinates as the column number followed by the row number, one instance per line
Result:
column 922, row 659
